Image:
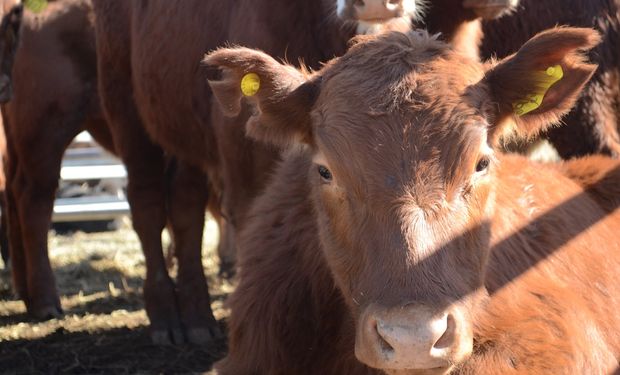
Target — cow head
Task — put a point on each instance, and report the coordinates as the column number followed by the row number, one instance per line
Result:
column 376, row 15
column 12, row 13
column 402, row 132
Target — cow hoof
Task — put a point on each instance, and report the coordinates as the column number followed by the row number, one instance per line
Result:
column 46, row 312
column 203, row 336
column 165, row 337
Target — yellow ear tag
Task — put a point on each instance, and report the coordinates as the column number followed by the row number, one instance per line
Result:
column 250, row 84
column 545, row 79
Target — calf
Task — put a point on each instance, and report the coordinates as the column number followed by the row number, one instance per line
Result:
column 594, row 123
column 168, row 103
column 394, row 237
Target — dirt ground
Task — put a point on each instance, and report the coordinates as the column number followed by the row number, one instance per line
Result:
column 104, row 329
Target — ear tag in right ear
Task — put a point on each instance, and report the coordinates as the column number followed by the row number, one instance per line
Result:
column 250, row 84
column 544, row 80
column 35, row 6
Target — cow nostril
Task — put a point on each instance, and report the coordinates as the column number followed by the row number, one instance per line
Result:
column 385, row 346
column 447, row 339
column 394, row 2
column 359, row 3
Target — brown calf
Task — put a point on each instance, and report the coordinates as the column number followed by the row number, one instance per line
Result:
column 395, row 238
column 593, row 126
column 153, row 88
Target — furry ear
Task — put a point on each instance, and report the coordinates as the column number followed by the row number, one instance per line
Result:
column 539, row 84
column 284, row 95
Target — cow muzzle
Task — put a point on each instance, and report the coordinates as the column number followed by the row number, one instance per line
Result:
column 413, row 339
column 375, row 11
column 490, row 9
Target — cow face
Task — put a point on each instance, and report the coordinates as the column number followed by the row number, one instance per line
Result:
column 402, row 132
column 375, row 15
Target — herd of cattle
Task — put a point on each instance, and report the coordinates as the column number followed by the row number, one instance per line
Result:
column 374, row 220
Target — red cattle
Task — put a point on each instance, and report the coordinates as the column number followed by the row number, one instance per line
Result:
column 169, row 102
column 395, row 237
column 54, row 98
column 593, row 126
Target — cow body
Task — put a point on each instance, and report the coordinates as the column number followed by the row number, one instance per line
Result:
column 394, row 239
column 594, row 123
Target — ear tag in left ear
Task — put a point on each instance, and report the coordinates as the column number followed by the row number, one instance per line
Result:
column 544, row 80
column 250, row 84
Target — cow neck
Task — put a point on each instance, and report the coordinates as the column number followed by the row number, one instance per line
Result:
column 306, row 30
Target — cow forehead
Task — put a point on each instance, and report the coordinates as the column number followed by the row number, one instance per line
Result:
column 394, row 105
column 394, row 77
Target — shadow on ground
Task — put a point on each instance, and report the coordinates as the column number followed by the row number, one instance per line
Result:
column 117, row 351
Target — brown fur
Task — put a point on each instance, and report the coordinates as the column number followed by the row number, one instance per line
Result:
column 529, row 251
column 593, row 126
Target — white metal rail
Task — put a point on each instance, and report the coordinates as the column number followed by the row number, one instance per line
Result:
column 91, row 164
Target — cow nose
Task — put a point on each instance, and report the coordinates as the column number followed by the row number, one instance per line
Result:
column 408, row 338
column 379, row 10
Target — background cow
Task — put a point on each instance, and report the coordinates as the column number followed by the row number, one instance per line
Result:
column 458, row 21
column 394, row 236
column 56, row 52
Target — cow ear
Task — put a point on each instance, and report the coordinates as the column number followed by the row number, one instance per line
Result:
column 535, row 87
column 283, row 95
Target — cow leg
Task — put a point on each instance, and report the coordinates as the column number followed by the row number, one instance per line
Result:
column 146, row 195
column 226, row 249
column 32, row 192
column 35, row 205
column 144, row 162
column 14, row 234
column 4, row 239
column 188, row 200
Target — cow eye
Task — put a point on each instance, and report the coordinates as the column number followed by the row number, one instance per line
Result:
column 483, row 164
column 326, row 175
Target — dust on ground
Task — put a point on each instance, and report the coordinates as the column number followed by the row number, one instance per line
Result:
column 104, row 329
